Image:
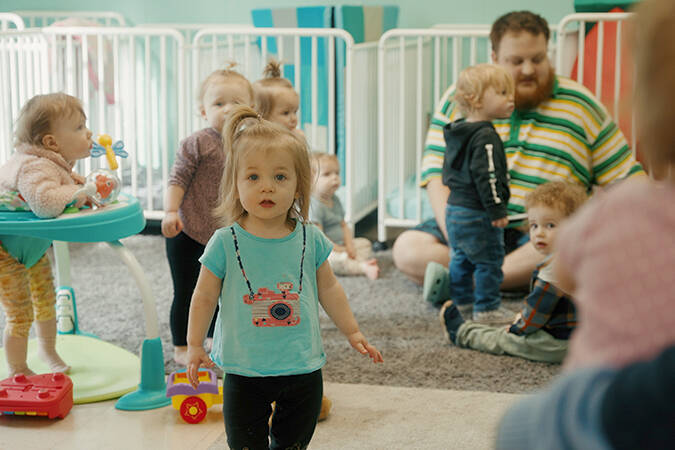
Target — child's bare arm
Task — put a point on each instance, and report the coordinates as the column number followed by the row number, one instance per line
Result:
column 565, row 281
column 334, row 301
column 171, row 223
column 348, row 239
column 202, row 307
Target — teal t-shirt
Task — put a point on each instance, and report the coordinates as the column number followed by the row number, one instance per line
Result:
column 276, row 333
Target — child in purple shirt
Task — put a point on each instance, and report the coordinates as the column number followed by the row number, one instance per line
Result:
column 193, row 192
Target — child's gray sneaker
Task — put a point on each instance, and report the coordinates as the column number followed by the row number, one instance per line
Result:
column 465, row 310
column 499, row 316
column 436, row 284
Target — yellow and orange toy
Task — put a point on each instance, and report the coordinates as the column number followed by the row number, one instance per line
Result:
column 106, row 181
column 190, row 402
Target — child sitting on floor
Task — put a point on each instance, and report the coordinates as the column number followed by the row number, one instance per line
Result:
column 548, row 317
column 350, row 256
column 51, row 135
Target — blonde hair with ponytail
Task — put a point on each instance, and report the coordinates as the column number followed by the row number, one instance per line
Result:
column 266, row 89
column 244, row 132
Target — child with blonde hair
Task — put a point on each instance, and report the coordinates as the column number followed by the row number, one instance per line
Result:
column 350, row 255
column 475, row 170
column 267, row 270
column 276, row 99
column 617, row 255
column 51, row 135
column 192, row 194
column 548, row 317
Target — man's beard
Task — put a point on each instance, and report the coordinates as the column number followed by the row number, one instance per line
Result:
column 542, row 92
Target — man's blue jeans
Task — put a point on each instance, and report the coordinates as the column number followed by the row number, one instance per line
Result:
column 477, row 257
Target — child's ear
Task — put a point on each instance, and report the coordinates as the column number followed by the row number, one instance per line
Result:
column 49, row 142
column 202, row 111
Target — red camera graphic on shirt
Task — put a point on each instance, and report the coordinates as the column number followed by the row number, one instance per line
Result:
column 275, row 309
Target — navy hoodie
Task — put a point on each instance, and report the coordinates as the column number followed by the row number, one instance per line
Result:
column 474, row 167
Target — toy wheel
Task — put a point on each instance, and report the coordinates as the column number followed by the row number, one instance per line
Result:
column 193, row 409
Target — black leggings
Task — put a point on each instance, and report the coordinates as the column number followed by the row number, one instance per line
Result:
column 246, row 410
column 183, row 254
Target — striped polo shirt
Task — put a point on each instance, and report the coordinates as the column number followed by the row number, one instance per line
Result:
column 569, row 137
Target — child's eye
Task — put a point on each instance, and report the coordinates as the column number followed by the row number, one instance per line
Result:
column 279, row 177
column 550, row 226
column 252, row 177
column 533, row 226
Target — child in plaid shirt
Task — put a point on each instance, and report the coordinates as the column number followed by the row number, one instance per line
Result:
column 548, row 317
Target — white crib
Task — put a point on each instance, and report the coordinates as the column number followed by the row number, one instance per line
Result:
column 415, row 67
column 136, row 85
column 11, row 21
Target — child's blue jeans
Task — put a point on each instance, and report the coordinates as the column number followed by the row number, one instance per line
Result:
column 476, row 258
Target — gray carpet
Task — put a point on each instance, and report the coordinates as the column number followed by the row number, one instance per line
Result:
column 390, row 311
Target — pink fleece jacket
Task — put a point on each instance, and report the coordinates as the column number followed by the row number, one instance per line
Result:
column 44, row 179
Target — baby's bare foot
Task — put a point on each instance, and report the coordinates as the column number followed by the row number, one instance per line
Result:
column 53, row 360
column 180, row 355
column 371, row 270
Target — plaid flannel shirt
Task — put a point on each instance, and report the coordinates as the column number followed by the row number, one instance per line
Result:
column 547, row 308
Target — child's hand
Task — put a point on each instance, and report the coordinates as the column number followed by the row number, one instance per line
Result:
column 171, row 224
column 500, row 223
column 359, row 342
column 197, row 358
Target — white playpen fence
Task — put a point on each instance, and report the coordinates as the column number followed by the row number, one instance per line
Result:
column 295, row 48
column 134, row 85
column 415, row 67
column 129, row 80
column 39, row 19
column 11, row 21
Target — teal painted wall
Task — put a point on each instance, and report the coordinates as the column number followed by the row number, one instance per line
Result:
column 413, row 14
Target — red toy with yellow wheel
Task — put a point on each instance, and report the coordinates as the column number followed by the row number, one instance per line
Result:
column 193, row 403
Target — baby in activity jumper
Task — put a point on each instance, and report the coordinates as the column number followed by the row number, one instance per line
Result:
column 350, row 255
column 267, row 270
column 51, row 135
column 192, row 194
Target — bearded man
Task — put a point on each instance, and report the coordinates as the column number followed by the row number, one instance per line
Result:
column 558, row 131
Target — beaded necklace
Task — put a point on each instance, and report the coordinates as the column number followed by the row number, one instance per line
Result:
column 251, row 295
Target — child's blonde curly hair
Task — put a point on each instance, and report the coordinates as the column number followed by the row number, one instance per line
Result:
column 560, row 196
column 474, row 81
